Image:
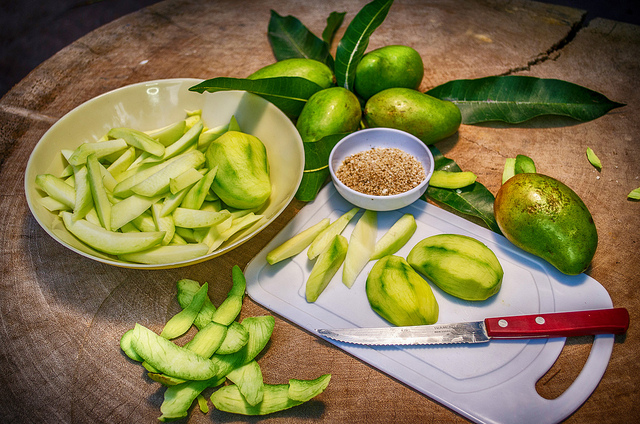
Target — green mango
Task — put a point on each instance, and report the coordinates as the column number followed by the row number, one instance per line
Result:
column 546, row 218
column 459, row 265
column 388, row 67
column 310, row 69
column 399, row 294
column 334, row 110
column 242, row 180
column 424, row 116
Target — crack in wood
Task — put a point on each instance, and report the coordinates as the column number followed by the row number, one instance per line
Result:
column 26, row 113
column 554, row 51
column 7, row 147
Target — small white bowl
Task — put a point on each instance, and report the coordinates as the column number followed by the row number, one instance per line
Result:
column 367, row 139
column 155, row 104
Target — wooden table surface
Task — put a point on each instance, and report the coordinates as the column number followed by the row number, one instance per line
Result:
column 61, row 315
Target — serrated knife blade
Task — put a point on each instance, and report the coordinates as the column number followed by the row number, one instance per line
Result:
column 547, row 325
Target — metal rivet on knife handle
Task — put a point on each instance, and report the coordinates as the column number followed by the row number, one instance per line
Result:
column 560, row 324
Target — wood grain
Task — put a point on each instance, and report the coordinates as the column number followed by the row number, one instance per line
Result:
column 61, row 315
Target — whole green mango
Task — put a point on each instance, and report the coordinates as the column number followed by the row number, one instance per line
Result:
column 426, row 117
column 242, row 180
column 546, row 218
column 388, row 67
column 399, row 294
column 310, row 69
column 459, row 265
column 334, row 110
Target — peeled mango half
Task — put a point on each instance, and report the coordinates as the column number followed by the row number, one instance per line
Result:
column 242, row 180
column 399, row 294
column 544, row 217
column 459, row 265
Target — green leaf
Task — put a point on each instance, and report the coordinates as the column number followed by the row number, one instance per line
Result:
column 474, row 200
column 517, row 98
column 316, row 153
column 290, row 94
column 289, row 38
column 316, row 166
column 634, row 194
column 355, row 40
column 524, row 164
column 594, row 159
column 312, row 182
column 334, row 21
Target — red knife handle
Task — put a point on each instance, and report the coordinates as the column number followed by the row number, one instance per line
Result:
column 559, row 324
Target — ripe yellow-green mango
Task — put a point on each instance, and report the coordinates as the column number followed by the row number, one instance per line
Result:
column 399, row 294
column 388, row 67
column 426, row 117
column 459, row 265
column 310, row 69
column 330, row 111
column 242, row 180
column 546, row 218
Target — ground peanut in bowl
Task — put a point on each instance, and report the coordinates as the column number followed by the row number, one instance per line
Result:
column 381, row 171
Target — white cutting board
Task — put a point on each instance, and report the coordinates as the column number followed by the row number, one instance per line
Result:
column 487, row 383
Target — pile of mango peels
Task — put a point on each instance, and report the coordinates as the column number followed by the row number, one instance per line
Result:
column 222, row 349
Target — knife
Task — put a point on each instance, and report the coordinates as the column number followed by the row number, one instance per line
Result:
column 547, row 325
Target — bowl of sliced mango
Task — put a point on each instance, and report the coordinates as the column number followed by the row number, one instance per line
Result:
column 153, row 175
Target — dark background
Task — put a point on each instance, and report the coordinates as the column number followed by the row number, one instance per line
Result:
column 31, row 31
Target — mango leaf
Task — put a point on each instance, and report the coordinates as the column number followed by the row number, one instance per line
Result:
column 289, row 38
column 316, row 153
column 290, row 94
column 474, row 200
column 355, row 40
column 334, row 21
column 312, row 182
column 316, row 166
column 518, row 98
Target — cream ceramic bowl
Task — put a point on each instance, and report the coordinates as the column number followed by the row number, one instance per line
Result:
column 384, row 138
column 154, row 104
